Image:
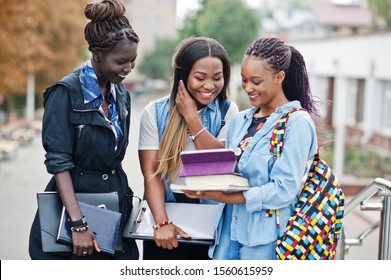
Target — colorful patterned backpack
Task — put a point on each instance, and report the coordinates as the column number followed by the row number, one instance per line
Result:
column 314, row 228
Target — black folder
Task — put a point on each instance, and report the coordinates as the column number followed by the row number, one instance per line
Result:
column 50, row 209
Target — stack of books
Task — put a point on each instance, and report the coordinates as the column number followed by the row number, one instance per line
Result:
column 213, row 169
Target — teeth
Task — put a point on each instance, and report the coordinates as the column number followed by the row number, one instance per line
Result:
column 252, row 96
column 207, row 93
column 122, row 76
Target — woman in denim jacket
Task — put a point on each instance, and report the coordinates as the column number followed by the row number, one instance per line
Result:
column 86, row 130
column 194, row 116
column 274, row 77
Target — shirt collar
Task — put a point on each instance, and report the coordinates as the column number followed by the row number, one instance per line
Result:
column 89, row 84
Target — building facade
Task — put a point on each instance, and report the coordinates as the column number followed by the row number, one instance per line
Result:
column 351, row 75
column 151, row 19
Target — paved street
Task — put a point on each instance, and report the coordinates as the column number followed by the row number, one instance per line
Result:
column 23, row 176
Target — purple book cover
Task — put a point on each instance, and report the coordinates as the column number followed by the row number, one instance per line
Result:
column 207, row 162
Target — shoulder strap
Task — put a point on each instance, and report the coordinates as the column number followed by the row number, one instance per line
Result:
column 277, row 140
column 224, row 106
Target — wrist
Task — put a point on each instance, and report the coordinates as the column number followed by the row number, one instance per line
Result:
column 76, row 223
column 167, row 222
column 193, row 137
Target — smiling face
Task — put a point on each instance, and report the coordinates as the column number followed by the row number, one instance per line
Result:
column 114, row 65
column 262, row 85
column 205, row 80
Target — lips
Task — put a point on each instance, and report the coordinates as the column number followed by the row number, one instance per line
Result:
column 206, row 94
column 253, row 96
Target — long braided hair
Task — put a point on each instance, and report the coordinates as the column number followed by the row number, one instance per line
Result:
column 281, row 57
column 108, row 25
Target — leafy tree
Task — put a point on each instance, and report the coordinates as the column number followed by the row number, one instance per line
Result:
column 381, row 9
column 44, row 38
column 157, row 63
column 230, row 22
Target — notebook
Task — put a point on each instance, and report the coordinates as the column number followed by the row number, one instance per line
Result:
column 101, row 221
column 207, row 162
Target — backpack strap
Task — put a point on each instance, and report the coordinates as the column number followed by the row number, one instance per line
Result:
column 223, row 106
column 276, row 145
column 277, row 140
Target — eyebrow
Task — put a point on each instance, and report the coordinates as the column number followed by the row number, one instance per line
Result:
column 203, row 73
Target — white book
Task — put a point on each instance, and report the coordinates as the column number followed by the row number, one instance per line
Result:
column 224, row 188
column 216, row 180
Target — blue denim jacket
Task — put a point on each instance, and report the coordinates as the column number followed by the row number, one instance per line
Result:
column 275, row 182
column 210, row 117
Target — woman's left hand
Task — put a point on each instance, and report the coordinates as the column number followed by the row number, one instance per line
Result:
column 186, row 105
column 220, row 196
column 208, row 195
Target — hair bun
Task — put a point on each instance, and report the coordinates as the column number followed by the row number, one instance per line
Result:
column 104, row 10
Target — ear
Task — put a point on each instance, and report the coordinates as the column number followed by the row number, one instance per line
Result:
column 279, row 77
column 97, row 56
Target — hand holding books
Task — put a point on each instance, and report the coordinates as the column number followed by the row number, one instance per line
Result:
column 208, row 170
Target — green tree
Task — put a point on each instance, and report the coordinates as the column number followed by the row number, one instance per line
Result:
column 157, row 63
column 230, row 22
column 381, row 9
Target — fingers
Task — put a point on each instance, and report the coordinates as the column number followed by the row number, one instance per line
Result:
column 96, row 245
column 182, row 233
column 166, row 237
column 83, row 247
column 169, row 245
column 182, row 89
column 193, row 194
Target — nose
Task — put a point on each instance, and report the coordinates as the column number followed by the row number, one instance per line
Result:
column 209, row 85
column 247, row 88
column 129, row 67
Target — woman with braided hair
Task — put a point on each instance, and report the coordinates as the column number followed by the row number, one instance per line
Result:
column 86, row 128
column 275, row 80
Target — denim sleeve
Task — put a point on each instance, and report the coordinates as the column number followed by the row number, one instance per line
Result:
column 286, row 173
column 57, row 131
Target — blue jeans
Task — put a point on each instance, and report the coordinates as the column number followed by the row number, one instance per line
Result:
column 228, row 249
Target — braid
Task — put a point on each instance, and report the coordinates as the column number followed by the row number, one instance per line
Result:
column 108, row 25
column 296, row 85
column 281, row 57
column 273, row 51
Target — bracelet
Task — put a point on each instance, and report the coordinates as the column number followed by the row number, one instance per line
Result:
column 79, row 228
column 193, row 137
column 157, row 226
column 77, row 223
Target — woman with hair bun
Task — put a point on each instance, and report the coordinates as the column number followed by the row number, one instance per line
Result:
column 86, row 128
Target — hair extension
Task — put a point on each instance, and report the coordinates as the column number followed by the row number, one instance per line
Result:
column 173, row 141
column 108, row 25
column 281, row 57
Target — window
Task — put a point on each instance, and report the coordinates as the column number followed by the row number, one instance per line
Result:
column 385, row 120
column 355, row 100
